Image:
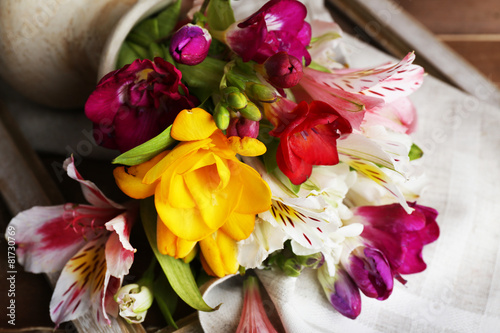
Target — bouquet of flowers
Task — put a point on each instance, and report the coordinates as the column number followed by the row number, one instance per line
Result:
column 244, row 145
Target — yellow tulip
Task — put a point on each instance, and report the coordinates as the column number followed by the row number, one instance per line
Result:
column 202, row 191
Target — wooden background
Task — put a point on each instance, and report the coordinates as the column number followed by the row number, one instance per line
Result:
column 470, row 27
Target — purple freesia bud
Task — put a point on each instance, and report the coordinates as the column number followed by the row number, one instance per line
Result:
column 371, row 271
column 278, row 26
column 190, row 44
column 137, row 102
column 243, row 127
column 283, row 70
column 399, row 235
column 341, row 291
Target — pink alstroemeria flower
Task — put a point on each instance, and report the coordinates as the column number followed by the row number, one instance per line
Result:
column 253, row 316
column 354, row 92
column 278, row 26
column 137, row 102
column 399, row 235
column 89, row 243
column 308, row 135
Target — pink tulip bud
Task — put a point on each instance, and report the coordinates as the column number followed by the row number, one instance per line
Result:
column 243, row 127
column 190, row 44
column 283, row 70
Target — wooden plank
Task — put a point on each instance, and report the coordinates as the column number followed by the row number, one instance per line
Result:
column 398, row 33
column 455, row 17
column 24, row 182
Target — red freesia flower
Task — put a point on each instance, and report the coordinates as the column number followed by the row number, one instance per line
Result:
column 308, row 137
column 137, row 102
column 278, row 26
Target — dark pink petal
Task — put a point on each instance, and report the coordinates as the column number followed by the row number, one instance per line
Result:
column 399, row 235
column 136, row 103
column 284, row 15
column 370, row 270
column 246, row 42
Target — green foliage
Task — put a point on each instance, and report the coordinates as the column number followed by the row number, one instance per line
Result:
column 178, row 273
column 147, row 150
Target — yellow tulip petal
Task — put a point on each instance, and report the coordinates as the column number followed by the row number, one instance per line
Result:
column 186, row 223
column 220, row 253
column 129, row 179
column 247, row 146
column 170, row 244
column 239, row 226
column 175, row 156
column 191, row 125
column 256, row 195
column 215, row 204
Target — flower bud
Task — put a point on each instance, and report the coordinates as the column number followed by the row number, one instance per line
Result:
column 221, row 116
column 314, row 261
column 190, row 44
column 253, row 316
column 283, row 70
column 243, row 127
column 235, row 98
column 341, row 291
column 134, row 301
column 260, row 92
column 235, row 80
column 251, row 111
column 371, row 271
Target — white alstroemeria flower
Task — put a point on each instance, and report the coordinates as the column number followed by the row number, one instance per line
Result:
column 307, row 218
column 264, row 240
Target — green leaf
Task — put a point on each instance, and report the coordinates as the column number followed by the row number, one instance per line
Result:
column 166, row 298
column 206, row 74
column 415, row 152
column 167, row 19
column 141, row 51
column 220, row 14
column 126, row 56
column 178, row 273
column 147, row 150
column 145, row 33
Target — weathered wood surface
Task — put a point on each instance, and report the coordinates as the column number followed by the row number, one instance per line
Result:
column 399, row 33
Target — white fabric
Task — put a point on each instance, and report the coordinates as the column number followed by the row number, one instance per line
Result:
column 460, row 289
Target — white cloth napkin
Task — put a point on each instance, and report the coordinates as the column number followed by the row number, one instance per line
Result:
column 460, row 289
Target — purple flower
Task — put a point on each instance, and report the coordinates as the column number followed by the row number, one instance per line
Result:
column 190, row 44
column 137, row 102
column 341, row 291
column 400, row 236
column 278, row 26
column 371, row 271
column 283, row 70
